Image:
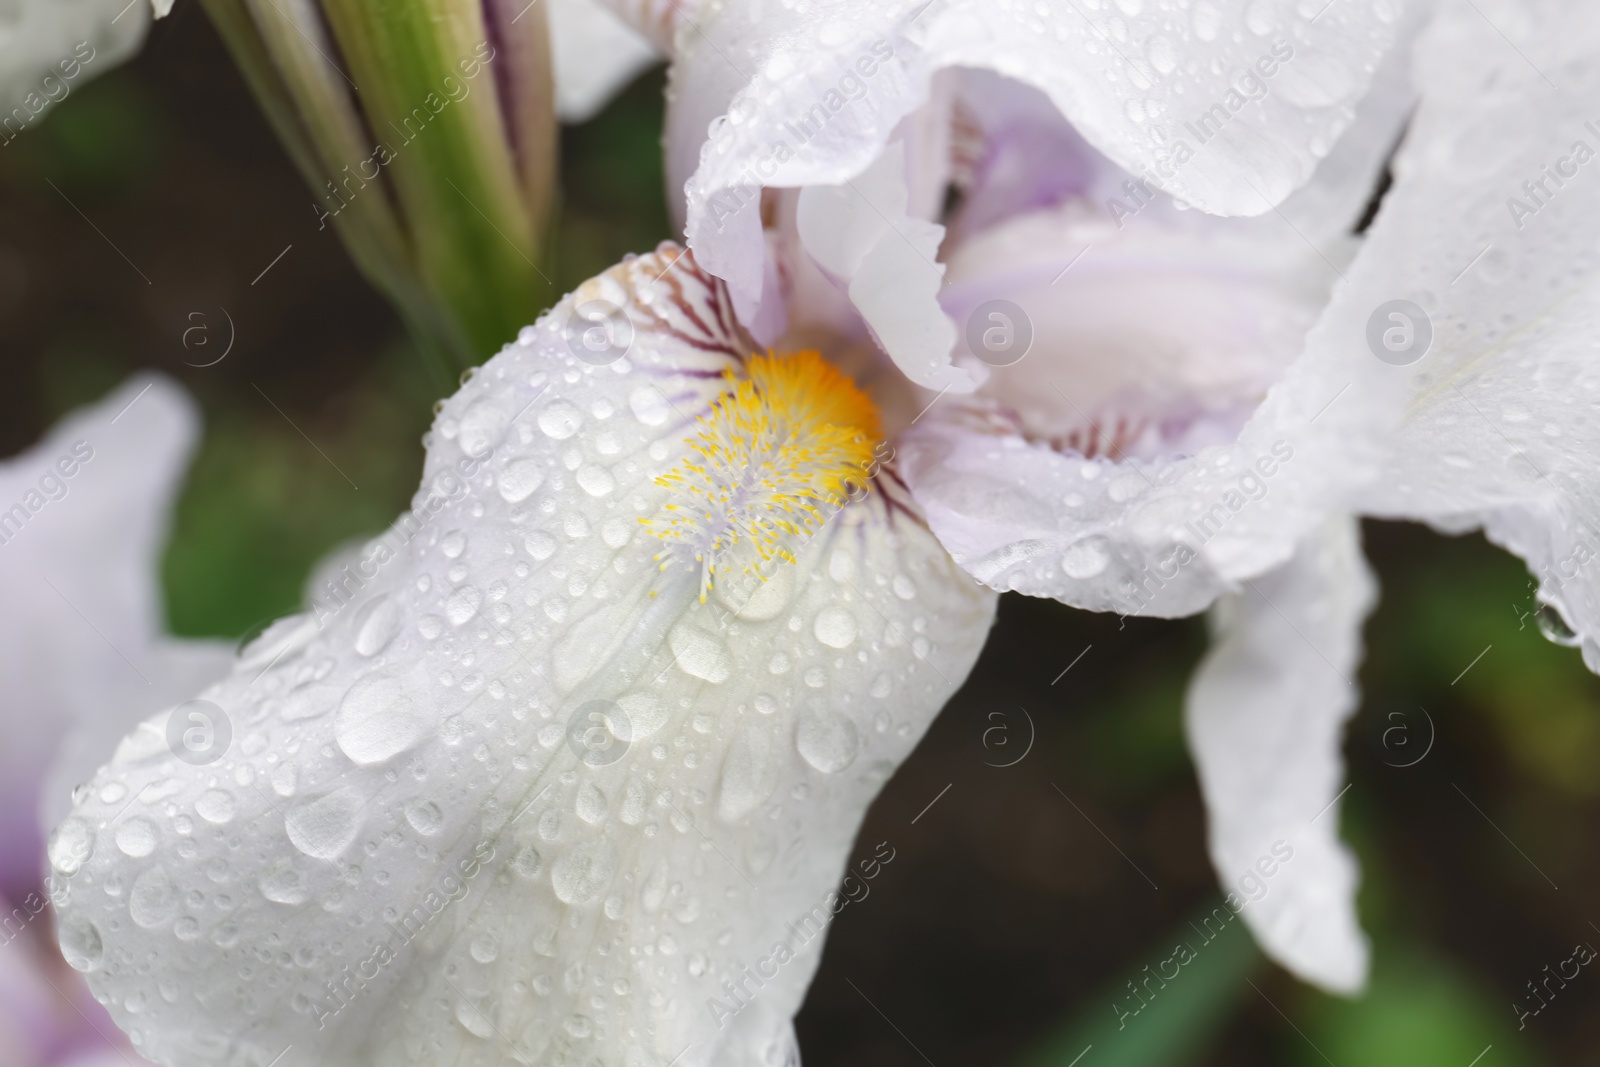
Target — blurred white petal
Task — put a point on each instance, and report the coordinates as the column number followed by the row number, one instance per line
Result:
column 83, row 651
column 594, row 54
column 50, row 48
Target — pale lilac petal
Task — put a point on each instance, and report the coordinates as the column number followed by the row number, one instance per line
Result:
column 812, row 94
column 83, row 654
column 1265, row 718
column 1129, row 460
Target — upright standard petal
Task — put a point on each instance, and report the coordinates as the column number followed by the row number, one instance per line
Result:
column 1227, row 107
column 575, row 777
column 83, row 522
column 593, row 55
column 1490, row 298
column 1265, row 718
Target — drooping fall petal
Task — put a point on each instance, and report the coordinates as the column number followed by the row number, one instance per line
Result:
column 523, row 794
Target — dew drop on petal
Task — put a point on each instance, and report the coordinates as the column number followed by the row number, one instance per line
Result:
column 377, row 623
column 560, row 420
column 80, row 944
column 377, row 720
column 282, row 884
column 580, row 876
column 424, row 816
column 136, row 837
column 461, row 605
column 154, row 898
column 700, row 654
column 834, row 627
column 216, row 806
column 1555, row 628
column 826, row 740
column 648, row 405
column 520, row 480
column 324, row 827
column 1085, row 559
column 71, row 846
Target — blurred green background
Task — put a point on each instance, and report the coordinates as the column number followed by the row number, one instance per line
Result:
column 1007, row 926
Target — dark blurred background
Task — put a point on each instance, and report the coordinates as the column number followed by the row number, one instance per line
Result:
column 1008, row 924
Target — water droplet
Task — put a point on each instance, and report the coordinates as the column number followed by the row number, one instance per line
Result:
column 700, row 654
column 540, row 545
column 527, row 863
column 216, row 806
column 377, row 720
column 283, row 884
column 453, row 544
column 154, row 898
column 462, row 604
column 484, row 948
column 71, row 846
column 591, row 804
column 1085, row 559
column 137, row 837
column 81, row 944
column 1555, row 628
column 520, row 479
column 560, row 420
column 765, row 704
column 324, row 827
column 377, row 623
column 424, row 816
column 1162, row 53
column 827, row 740
column 474, row 1019
column 580, row 876
column 648, row 405
column 481, row 427
column 834, row 627
column 595, row 480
